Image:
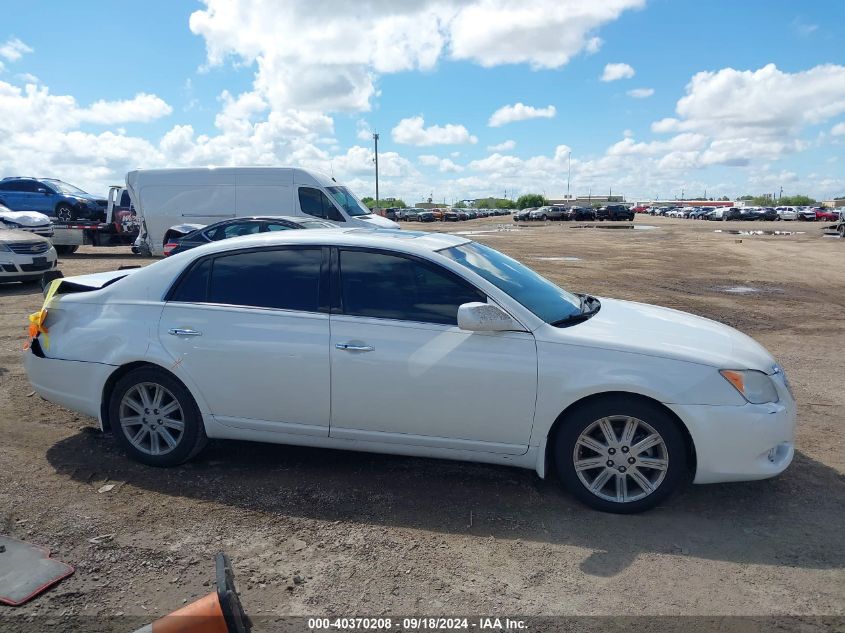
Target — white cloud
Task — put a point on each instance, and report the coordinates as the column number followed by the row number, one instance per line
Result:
column 519, row 112
column 412, row 131
column 641, row 93
column 140, row 109
column 732, row 103
column 614, row 72
column 12, row 50
column 442, row 164
column 838, row 129
column 328, row 55
column 504, row 146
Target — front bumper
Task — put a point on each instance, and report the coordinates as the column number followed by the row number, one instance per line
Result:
column 75, row 385
column 740, row 443
column 19, row 269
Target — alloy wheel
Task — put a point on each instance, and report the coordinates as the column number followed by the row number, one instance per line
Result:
column 620, row 459
column 151, row 418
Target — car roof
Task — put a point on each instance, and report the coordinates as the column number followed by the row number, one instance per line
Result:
column 393, row 239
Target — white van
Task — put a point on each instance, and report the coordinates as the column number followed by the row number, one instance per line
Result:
column 168, row 197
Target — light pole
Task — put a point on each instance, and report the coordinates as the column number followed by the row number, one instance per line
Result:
column 568, row 173
column 375, row 140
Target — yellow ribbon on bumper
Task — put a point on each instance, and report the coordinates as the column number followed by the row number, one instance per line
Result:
column 37, row 319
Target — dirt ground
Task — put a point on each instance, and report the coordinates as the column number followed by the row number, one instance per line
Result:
column 321, row 532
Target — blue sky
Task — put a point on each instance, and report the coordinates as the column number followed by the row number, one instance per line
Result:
column 733, row 97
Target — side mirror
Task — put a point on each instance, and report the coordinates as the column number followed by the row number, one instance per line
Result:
column 42, row 190
column 485, row 317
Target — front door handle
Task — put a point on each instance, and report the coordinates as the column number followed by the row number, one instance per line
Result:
column 177, row 331
column 354, row 348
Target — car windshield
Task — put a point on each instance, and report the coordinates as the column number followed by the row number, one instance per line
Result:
column 348, row 201
column 65, row 188
column 535, row 292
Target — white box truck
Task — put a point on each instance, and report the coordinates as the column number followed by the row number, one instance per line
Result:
column 166, row 198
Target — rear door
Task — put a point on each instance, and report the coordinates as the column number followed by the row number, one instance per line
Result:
column 249, row 330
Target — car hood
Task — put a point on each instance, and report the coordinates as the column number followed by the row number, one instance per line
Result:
column 25, row 218
column 379, row 222
column 11, row 235
column 641, row 328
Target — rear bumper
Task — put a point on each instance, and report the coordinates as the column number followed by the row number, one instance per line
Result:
column 75, row 385
column 740, row 443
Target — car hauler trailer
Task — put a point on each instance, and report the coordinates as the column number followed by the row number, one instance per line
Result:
column 119, row 227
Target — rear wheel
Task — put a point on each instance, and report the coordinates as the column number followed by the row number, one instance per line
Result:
column 621, row 454
column 155, row 419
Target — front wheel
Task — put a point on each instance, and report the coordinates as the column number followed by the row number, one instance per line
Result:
column 621, row 454
column 155, row 419
column 65, row 249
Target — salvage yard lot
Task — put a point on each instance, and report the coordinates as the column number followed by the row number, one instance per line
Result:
column 327, row 532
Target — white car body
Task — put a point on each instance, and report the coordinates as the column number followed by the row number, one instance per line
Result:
column 29, row 221
column 787, row 213
column 166, row 197
column 424, row 389
column 25, row 256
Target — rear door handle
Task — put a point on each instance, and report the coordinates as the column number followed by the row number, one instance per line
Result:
column 354, row 348
column 177, row 331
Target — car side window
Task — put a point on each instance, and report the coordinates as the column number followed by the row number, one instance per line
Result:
column 282, row 278
column 394, row 287
column 236, row 229
column 28, row 186
column 315, row 202
column 193, row 287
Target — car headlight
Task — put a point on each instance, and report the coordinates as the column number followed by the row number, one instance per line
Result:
column 755, row 386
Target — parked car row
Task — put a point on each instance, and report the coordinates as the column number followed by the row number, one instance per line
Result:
column 809, row 214
column 574, row 214
column 446, row 215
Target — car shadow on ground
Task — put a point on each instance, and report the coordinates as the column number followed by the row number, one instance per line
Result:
column 12, row 289
column 783, row 521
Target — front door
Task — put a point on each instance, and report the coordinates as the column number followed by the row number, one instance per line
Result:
column 247, row 329
column 404, row 373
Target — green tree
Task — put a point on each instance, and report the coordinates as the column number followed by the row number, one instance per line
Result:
column 530, row 200
column 797, row 201
column 397, row 203
column 460, row 204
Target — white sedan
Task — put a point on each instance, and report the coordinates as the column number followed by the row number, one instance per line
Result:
column 414, row 344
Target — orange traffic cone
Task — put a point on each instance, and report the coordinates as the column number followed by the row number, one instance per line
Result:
column 218, row 612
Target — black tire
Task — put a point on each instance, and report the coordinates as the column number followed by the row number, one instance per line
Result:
column 676, row 474
column 193, row 438
column 65, row 213
column 65, row 249
column 842, row 231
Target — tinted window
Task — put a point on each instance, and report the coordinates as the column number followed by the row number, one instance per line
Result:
column 285, row 279
column 314, row 202
column 235, row 229
column 29, row 186
column 392, row 287
column 194, row 285
column 125, row 200
column 7, row 186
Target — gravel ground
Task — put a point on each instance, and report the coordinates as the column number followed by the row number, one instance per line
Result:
column 320, row 532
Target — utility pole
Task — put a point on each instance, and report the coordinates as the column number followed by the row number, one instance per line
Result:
column 568, row 173
column 375, row 140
